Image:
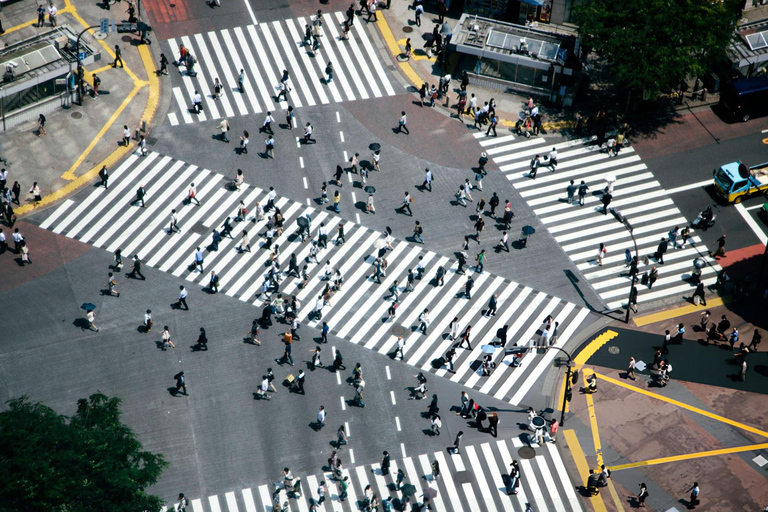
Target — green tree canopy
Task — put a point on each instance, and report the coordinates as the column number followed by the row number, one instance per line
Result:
column 654, row 44
column 89, row 462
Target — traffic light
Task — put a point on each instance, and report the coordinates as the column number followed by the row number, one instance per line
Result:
column 568, row 394
column 574, row 377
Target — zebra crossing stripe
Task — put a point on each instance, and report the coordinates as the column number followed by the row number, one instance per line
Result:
column 184, row 106
column 229, row 85
column 297, row 75
column 234, row 83
column 252, row 68
column 200, row 52
column 277, row 59
column 223, row 98
column 345, row 56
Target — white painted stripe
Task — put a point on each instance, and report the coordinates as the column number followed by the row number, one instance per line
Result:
column 312, row 74
column 235, row 56
column 297, row 76
column 371, row 298
column 338, row 71
column 197, row 505
column 597, row 219
column 373, row 56
column 201, row 80
column 214, row 503
column 343, row 403
column 545, row 363
column 628, row 179
column 183, row 105
column 349, row 62
column 507, row 312
column 206, row 57
column 412, row 474
column 496, row 477
column 188, row 239
column 477, row 468
column 351, row 488
column 250, row 505
column 426, row 467
column 562, row 475
column 616, row 250
column 362, row 61
column 683, row 289
column 85, row 205
column 397, row 423
column 616, row 262
column 491, row 141
column 251, row 67
column 756, row 229
column 161, row 193
column 380, row 481
column 187, row 83
column 519, row 340
column 611, row 224
column 63, row 207
column 690, row 186
column 316, row 71
column 549, row 482
column 266, row 497
column 528, row 475
column 392, row 395
column 469, row 493
column 506, row 459
column 175, row 120
column 225, row 254
column 448, row 482
column 118, row 220
column 627, row 194
column 311, row 491
column 229, row 85
column 277, row 61
column 531, row 357
column 590, row 174
column 661, row 228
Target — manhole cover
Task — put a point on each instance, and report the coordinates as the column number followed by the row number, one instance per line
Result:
column 398, row 330
column 152, row 141
column 462, row 477
column 76, row 115
column 526, row 452
column 407, row 30
column 127, row 39
column 199, row 229
column 613, row 349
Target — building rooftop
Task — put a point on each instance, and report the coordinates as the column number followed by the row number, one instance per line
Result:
column 750, row 46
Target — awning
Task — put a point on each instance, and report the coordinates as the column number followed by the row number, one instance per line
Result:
column 538, row 3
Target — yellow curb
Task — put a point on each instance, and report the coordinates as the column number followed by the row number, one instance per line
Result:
column 402, row 42
column 73, row 185
column 154, row 84
column 599, row 449
column 680, row 311
column 582, row 467
column 394, row 49
column 586, row 353
column 70, row 174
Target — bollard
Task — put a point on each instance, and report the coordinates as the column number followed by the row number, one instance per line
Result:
column 704, row 94
column 144, row 125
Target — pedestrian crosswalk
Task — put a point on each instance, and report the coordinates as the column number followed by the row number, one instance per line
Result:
column 263, row 51
column 473, row 480
column 358, row 311
column 637, row 195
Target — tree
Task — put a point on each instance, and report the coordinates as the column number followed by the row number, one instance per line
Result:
column 655, row 44
column 89, row 462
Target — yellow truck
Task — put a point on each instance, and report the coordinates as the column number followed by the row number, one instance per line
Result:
column 735, row 181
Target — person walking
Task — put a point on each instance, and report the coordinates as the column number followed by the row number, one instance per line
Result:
column 35, row 192
column 479, row 227
column 468, row 287
column 480, row 259
column 552, row 160
column 698, row 295
column 320, row 418
column 606, row 200
column 417, row 232
column 244, row 140
column 720, row 252
column 377, row 160
column 401, row 125
column 165, row 336
column 182, row 298
column 174, row 225
column 534, row 166
column 90, row 318
column 181, row 383
column 224, row 128
column 492, row 304
column 407, row 200
column 428, row 177
column 199, row 258
column 118, row 57
column 41, row 125
column 140, row 195
column 465, row 338
column 424, row 321
column 660, row 251
column 583, row 188
column 112, row 286
column 504, row 242
column 136, row 268
column 213, row 283
column 308, row 134
column 269, row 147
column 601, row 252
column 653, row 275
column 570, row 190
column 694, row 490
column 104, row 177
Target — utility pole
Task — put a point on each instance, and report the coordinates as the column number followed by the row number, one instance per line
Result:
column 633, row 268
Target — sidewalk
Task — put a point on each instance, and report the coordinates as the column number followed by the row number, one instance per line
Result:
column 706, row 425
column 80, row 140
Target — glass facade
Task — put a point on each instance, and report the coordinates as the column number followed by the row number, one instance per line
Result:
column 34, row 94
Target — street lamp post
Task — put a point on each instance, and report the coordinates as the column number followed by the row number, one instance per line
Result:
column 632, row 268
column 519, row 350
column 77, row 51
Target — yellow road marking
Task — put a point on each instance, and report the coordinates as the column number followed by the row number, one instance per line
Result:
column 70, row 174
column 688, row 456
column 582, row 466
column 78, row 182
column 89, row 74
column 685, row 406
column 394, row 49
column 599, row 449
column 154, row 84
column 402, row 42
column 583, row 356
column 676, row 312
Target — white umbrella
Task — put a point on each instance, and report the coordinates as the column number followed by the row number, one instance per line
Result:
column 380, row 243
column 610, row 178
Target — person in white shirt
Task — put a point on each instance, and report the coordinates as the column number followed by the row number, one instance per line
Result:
column 321, row 418
column 244, row 142
column 263, row 387
column 3, row 242
column 17, row 239
column 504, row 242
column 552, row 159
column 319, row 303
column 126, row 136
column 52, row 10
column 308, row 134
column 197, row 102
column 424, row 321
column 174, row 223
column 400, row 348
column 267, row 125
column 191, row 193
column 182, row 298
column 271, row 199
